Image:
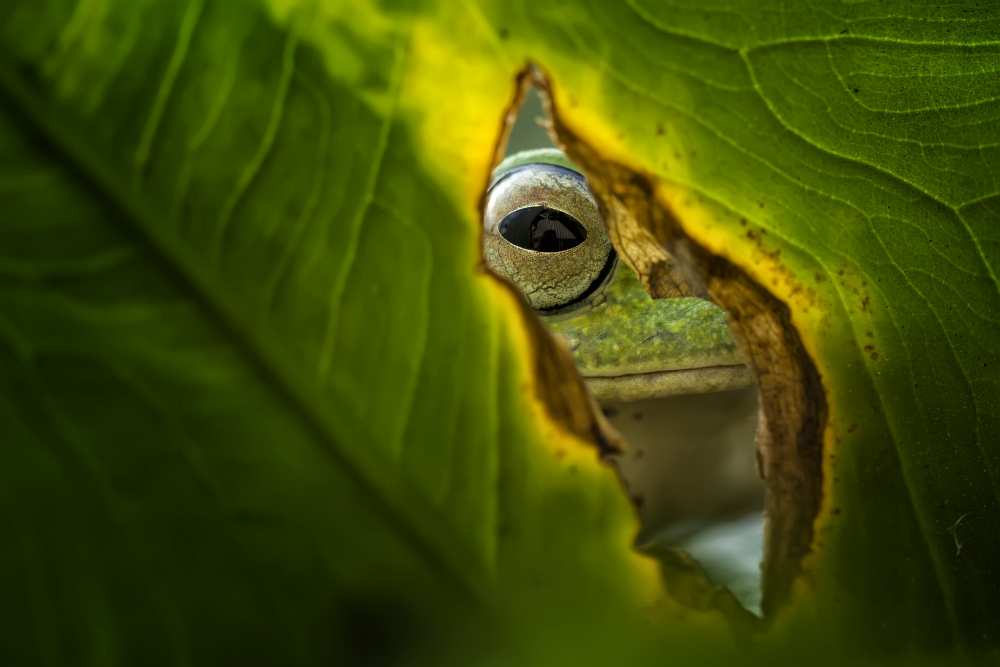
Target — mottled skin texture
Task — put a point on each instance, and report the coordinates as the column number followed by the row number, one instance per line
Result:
column 626, row 331
column 628, row 345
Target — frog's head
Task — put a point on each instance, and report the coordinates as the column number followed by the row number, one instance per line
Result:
column 544, row 232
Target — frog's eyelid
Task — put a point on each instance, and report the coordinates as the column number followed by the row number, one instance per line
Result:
column 497, row 178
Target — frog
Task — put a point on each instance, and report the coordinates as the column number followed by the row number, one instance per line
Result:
column 543, row 231
column 661, row 369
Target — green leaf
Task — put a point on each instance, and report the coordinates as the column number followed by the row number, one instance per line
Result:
column 842, row 158
column 253, row 384
column 260, row 402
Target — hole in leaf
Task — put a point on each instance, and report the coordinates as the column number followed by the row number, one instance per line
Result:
column 691, row 463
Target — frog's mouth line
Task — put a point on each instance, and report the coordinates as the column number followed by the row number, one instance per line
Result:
column 657, row 384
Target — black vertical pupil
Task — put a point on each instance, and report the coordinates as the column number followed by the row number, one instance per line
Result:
column 542, row 229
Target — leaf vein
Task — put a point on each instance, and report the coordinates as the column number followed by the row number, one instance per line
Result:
column 166, row 88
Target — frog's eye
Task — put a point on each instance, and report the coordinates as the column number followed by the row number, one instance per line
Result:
column 542, row 228
column 544, row 233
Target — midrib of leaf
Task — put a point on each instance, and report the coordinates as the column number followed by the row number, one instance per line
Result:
column 415, row 519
